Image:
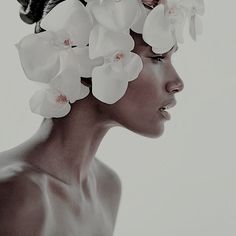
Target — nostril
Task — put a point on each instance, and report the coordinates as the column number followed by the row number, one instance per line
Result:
column 174, row 86
column 175, row 91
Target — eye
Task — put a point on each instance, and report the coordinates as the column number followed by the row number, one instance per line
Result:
column 158, row 59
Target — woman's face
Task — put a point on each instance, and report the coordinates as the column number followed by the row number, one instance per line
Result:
column 138, row 110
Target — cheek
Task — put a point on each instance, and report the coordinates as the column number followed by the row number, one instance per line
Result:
column 147, row 90
column 138, row 109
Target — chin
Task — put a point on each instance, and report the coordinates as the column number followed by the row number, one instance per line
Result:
column 154, row 131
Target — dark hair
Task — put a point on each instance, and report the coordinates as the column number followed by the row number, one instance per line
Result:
column 32, row 11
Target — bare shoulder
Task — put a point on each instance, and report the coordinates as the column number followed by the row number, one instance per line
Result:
column 109, row 177
column 21, row 205
column 110, row 188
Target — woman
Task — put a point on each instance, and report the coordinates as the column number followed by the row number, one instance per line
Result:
column 53, row 184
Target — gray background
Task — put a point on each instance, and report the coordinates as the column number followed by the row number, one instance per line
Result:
column 182, row 183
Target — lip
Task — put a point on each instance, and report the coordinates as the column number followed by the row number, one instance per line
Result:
column 169, row 104
column 166, row 115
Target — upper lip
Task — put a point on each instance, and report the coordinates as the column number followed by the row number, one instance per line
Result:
column 169, row 104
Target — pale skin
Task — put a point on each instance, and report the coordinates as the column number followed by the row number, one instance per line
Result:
column 53, row 184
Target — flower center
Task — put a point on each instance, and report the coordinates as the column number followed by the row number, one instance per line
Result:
column 172, row 14
column 67, row 42
column 172, row 11
column 119, row 56
column 61, row 99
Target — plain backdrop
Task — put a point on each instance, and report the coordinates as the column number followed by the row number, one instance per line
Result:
column 182, row 183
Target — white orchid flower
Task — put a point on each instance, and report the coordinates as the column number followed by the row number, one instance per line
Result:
column 72, row 17
column 110, row 80
column 115, row 15
column 55, row 101
column 67, row 24
column 193, row 9
column 158, row 35
column 103, row 42
column 164, row 25
column 176, row 17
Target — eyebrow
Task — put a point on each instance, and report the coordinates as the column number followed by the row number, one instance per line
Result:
column 175, row 47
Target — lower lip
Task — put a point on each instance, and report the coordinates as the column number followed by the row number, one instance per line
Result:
column 166, row 115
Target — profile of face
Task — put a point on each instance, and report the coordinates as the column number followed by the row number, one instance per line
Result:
column 139, row 109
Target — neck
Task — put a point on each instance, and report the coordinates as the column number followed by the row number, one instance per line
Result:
column 66, row 147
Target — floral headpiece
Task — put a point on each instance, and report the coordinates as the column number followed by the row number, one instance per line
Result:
column 94, row 41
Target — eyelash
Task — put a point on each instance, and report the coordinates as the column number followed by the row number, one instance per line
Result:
column 158, row 59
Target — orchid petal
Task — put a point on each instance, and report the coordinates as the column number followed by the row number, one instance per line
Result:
column 193, row 6
column 117, row 66
column 69, row 84
column 84, row 91
column 198, row 25
column 107, row 85
column 72, row 16
column 179, row 30
column 39, row 57
column 140, row 18
column 200, row 7
column 68, row 59
column 192, row 28
column 116, row 15
column 86, row 64
column 78, row 58
column 89, row 10
column 158, row 35
column 46, row 104
column 134, row 66
column 118, row 60
column 195, row 26
column 176, row 16
column 103, row 42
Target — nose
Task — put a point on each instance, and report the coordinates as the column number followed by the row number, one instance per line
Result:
column 176, row 85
